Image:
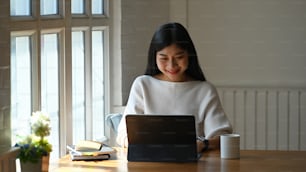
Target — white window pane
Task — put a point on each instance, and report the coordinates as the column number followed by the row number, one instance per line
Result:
column 50, row 86
column 97, row 7
column 20, row 8
column 78, row 86
column 77, row 6
column 20, row 86
column 48, row 7
column 97, row 84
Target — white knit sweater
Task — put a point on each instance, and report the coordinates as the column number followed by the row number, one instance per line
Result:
column 149, row 95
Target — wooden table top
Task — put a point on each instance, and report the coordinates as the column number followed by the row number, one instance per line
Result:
column 250, row 160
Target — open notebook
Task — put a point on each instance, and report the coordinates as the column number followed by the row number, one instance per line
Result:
column 161, row 138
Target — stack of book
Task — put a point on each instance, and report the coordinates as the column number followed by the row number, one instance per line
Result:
column 90, row 150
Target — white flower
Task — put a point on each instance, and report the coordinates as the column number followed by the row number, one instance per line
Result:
column 40, row 124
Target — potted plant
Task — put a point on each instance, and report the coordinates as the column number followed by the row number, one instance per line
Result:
column 35, row 148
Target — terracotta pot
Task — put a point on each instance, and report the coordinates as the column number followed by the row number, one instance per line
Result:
column 45, row 163
column 41, row 166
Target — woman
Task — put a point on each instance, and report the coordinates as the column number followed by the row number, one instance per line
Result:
column 175, row 84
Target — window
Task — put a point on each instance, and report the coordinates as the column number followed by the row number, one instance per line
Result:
column 48, row 7
column 49, row 69
column 97, row 82
column 20, row 83
column 97, row 7
column 79, row 7
column 58, row 66
column 20, row 8
column 78, row 85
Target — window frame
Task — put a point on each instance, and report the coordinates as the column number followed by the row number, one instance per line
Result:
column 63, row 24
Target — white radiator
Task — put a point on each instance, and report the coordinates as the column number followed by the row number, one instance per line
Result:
column 267, row 118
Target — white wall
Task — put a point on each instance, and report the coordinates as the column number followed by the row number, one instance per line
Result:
column 140, row 18
column 250, row 42
column 254, row 52
column 255, row 49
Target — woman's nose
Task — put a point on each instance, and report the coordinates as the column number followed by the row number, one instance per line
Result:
column 173, row 62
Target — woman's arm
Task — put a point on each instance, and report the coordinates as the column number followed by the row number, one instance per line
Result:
column 213, row 143
column 134, row 106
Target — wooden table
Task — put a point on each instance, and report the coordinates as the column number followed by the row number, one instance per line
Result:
column 270, row 161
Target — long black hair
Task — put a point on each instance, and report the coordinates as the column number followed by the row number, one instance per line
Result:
column 168, row 34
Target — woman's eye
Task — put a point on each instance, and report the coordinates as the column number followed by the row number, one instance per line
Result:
column 162, row 58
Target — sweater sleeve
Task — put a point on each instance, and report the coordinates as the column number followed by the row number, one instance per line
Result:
column 134, row 106
column 215, row 120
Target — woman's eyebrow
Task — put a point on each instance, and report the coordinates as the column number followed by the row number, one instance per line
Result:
column 162, row 54
column 178, row 53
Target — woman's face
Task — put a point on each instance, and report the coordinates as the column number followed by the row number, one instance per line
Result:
column 172, row 61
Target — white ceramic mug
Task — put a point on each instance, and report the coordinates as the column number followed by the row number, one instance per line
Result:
column 230, row 146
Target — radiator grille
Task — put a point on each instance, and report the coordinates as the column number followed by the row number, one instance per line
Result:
column 267, row 118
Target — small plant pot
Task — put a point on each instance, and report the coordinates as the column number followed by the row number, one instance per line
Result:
column 42, row 165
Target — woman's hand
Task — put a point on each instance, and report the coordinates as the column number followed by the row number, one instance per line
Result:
column 214, row 143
